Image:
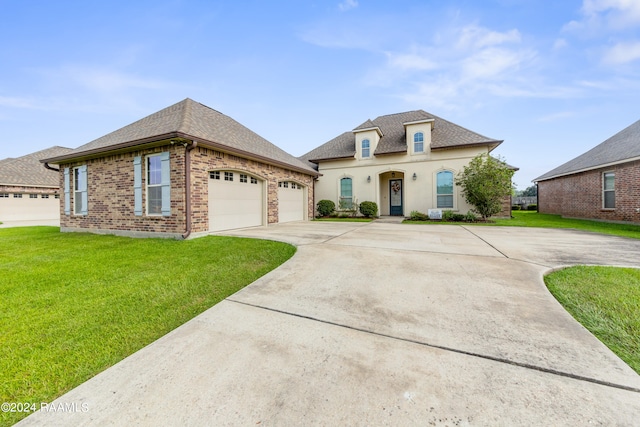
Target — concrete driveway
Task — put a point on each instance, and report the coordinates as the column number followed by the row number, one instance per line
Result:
column 381, row 324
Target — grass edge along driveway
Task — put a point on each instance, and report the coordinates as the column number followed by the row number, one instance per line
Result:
column 74, row 304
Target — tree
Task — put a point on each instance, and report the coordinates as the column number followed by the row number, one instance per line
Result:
column 485, row 182
column 530, row 191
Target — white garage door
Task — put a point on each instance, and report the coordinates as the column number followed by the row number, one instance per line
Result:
column 29, row 207
column 290, row 202
column 235, row 200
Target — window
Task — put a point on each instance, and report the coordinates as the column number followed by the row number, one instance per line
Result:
column 17, row 196
column 33, row 196
column 154, row 185
column 157, row 184
column 44, row 196
column 444, row 181
column 243, row 178
column 346, row 193
column 214, row 175
column 366, row 151
column 608, row 190
column 4, row 195
column 418, row 142
column 80, row 190
column 285, row 184
column 254, row 180
column 57, row 196
column 228, row 176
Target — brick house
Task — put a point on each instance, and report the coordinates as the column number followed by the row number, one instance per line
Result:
column 602, row 184
column 403, row 162
column 183, row 171
column 29, row 192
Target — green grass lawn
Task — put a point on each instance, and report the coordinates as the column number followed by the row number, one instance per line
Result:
column 606, row 301
column 349, row 219
column 535, row 219
column 73, row 304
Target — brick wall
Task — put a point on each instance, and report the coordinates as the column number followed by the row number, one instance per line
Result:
column 111, row 197
column 580, row 195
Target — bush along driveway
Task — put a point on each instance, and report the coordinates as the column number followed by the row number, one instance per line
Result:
column 377, row 324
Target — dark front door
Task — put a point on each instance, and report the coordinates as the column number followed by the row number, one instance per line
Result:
column 395, row 196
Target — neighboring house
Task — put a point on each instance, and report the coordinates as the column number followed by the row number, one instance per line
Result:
column 187, row 169
column 602, row 184
column 403, row 162
column 28, row 191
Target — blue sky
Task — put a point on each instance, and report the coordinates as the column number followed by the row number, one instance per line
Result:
column 550, row 78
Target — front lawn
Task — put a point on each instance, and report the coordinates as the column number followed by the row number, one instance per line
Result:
column 535, row 219
column 74, row 304
column 606, row 301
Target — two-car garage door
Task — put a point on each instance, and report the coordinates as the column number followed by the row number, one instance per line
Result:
column 237, row 200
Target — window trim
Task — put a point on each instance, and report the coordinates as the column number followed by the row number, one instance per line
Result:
column 611, row 190
column 349, row 205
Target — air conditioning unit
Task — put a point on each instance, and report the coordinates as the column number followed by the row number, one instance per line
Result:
column 435, row 213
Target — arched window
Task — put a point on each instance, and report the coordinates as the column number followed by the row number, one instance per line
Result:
column 346, row 194
column 445, row 189
column 365, row 148
column 418, row 142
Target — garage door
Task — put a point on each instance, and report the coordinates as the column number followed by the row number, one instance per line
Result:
column 29, row 207
column 291, row 204
column 235, row 200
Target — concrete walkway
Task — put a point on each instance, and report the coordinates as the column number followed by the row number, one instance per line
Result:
column 382, row 324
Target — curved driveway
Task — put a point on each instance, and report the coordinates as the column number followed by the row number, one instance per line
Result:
column 383, row 324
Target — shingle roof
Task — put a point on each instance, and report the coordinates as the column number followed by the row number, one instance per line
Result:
column 445, row 135
column 28, row 171
column 623, row 146
column 192, row 120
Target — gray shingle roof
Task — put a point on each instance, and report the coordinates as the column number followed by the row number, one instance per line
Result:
column 28, row 171
column 445, row 135
column 625, row 145
column 192, row 120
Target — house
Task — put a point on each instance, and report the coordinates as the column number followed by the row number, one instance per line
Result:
column 602, row 184
column 29, row 192
column 403, row 162
column 183, row 171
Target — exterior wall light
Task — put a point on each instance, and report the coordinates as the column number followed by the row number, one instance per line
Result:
column 369, row 178
column 415, row 176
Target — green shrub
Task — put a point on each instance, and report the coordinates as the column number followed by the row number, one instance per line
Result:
column 418, row 216
column 516, row 207
column 369, row 209
column 470, row 217
column 326, row 207
column 532, row 207
column 344, row 215
column 452, row 216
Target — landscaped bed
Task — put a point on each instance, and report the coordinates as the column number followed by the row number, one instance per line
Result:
column 74, row 304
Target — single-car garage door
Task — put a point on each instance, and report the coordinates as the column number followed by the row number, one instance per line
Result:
column 290, row 202
column 235, row 200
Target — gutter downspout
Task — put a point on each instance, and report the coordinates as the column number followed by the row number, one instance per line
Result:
column 187, row 184
column 46, row 165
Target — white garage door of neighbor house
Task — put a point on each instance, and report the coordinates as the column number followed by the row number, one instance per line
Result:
column 235, row 200
column 29, row 207
column 290, row 202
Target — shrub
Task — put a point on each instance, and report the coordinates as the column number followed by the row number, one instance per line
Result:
column 326, row 207
column 532, row 207
column 369, row 209
column 452, row 216
column 516, row 207
column 470, row 217
column 418, row 216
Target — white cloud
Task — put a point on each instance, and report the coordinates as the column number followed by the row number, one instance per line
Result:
column 410, row 61
column 605, row 15
column 622, row 53
column 560, row 44
column 16, row 102
column 478, row 37
column 348, row 5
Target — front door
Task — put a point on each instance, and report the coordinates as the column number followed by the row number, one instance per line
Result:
column 395, row 196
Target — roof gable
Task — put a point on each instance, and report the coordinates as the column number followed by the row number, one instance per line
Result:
column 193, row 120
column 393, row 140
column 625, row 145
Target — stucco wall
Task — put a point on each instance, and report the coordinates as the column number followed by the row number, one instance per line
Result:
column 419, row 194
column 580, row 195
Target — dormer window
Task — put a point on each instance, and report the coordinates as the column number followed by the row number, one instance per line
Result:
column 366, row 152
column 418, row 142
